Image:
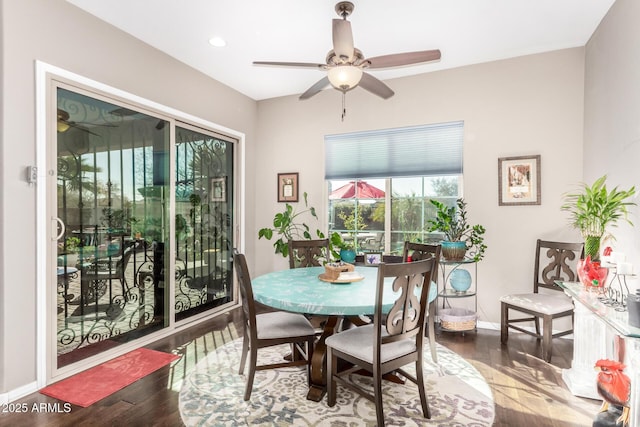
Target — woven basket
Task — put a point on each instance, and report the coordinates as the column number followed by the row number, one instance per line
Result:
column 457, row 319
column 332, row 270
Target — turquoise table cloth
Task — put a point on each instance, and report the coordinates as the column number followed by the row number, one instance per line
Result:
column 300, row 290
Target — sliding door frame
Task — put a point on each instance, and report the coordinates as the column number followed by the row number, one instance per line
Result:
column 46, row 77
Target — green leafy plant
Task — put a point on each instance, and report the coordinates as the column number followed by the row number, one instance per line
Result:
column 71, row 245
column 452, row 222
column 337, row 243
column 286, row 228
column 594, row 209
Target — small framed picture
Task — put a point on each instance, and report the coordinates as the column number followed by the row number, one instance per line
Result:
column 288, row 187
column 519, row 180
column 218, row 189
column 372, row 258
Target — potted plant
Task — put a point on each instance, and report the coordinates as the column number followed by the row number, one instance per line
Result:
column 341, row 249
column 460, row 236
column 286, row 227
column 594, row 209
column 69, row 250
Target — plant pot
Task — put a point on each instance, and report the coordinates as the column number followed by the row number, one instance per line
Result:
column 592, row 246
column 454, row 251
column 590, row 273
column 348, row 255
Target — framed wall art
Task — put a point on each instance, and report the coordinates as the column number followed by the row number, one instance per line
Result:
column 519, row 180
column 372, row 258
column 288, row 187
column 218, row 189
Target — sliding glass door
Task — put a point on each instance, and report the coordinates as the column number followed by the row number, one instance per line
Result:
column 145, row 218
column 204, row 221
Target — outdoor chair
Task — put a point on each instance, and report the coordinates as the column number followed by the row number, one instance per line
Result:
column 269, row 329
column 420, row 251
column 308, row 253
column 553, row 261
column 391, row 342
column 104, row 271
column 374, row 243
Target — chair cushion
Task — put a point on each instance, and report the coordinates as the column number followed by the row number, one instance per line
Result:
column 358, row 342
column 554, row 303
column 282, row 324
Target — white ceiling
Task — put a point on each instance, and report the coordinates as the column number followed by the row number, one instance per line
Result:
column 466, row 31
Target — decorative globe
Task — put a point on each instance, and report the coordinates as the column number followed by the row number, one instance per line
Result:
column 460, row 280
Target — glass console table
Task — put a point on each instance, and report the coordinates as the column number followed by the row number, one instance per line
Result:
column 601, row 332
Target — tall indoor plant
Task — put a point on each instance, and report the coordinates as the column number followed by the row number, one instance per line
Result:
column 460, row 236
column 594, row 209
column 287, row 227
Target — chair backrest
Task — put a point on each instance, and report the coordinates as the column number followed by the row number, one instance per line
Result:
column 127, row 252
column 555, row 261
column 246, row 294
column 406, row 318
column 419, row 251
column 308, row 253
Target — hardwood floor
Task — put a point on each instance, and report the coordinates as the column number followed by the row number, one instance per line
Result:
column 526, row 391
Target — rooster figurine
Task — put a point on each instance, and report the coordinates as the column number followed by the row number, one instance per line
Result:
column 614, row 386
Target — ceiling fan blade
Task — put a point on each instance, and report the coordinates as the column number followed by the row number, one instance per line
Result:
column 407, row 58
column 81, row 128
column 292, row 64
column 343, row 39
column 375, row 86
column 317, row 87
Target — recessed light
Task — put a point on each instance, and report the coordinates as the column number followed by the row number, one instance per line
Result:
column 217, row 41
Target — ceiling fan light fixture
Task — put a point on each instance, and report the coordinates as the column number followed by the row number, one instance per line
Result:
column 344, row 77
column 62, row 126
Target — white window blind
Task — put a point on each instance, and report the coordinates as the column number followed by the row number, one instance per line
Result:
column 425, row 150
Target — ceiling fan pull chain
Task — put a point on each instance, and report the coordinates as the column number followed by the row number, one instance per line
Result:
column 344, row 105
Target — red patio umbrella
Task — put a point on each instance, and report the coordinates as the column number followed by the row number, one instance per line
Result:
column 361, row 191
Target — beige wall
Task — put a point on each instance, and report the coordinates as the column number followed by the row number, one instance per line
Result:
column 55, row 32
column 520, row 106
column 612, row 112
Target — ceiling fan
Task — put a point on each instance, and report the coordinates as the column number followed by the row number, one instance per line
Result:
column 63, row 123
column 345, row 64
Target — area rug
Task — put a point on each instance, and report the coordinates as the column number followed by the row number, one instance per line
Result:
column 212, row 395
column 89, row 386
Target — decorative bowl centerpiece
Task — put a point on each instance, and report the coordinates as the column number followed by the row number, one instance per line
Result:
column 332, row 270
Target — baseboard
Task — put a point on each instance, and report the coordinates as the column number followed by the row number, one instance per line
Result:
column 488, row 325
column 18, row 393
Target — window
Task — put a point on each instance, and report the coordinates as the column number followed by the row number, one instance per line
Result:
column 380, row 183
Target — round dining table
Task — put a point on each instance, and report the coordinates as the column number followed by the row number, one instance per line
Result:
column 301, row 290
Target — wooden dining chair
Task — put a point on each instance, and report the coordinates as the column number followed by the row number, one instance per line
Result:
column 308, row 253
column 269, row 329
column 420, row 251
column 391, row 342
column 553, row 261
